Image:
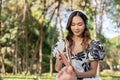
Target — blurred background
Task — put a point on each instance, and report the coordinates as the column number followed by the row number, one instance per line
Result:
column 30, row 28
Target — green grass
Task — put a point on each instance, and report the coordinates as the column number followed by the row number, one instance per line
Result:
column 110, row 76
column 46, row 76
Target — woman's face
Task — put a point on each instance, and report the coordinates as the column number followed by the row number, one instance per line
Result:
column 77, row 26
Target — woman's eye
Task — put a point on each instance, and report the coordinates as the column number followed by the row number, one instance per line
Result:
column 73, row 25
column 80, row 24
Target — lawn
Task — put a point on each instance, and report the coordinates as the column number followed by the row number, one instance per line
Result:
column 110, row 76
column 46, row 76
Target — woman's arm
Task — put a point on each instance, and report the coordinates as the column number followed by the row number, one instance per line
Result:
column 92, row 72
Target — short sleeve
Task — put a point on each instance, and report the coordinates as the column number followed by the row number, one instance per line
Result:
column 96, row 51
column 60, row 45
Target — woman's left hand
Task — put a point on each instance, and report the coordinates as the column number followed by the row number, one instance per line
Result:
column 63, row 59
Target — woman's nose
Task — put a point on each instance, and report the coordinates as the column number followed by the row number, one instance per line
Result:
column 76, row 26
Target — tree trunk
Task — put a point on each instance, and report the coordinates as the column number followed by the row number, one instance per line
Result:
column 95, row 31
column 40, row 54
column 2, row 61
column 101, row 8
column 26, row 49
column 36, row 50
column 52, row 41
column 25, row 24
column 51, row 64
column 71, row 5
column 95, row 26
column 59, row 20
column 41, row 39
column 83, row 4
column 110, row 64
column 51, row 56
column 15, row 56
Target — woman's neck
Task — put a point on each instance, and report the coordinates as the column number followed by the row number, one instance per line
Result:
column 77, row 39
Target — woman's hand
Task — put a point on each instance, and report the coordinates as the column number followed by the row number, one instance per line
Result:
column 58, row 64
column 63, row 59
column 59, row 61
column 66, row 73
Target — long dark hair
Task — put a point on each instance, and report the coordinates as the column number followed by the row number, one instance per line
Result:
column 86, row 33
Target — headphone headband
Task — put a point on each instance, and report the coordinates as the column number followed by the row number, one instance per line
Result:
column 81, row 12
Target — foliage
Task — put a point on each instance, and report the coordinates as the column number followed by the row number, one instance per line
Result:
column 112, row 51
column 114, row 10
column 47, row 47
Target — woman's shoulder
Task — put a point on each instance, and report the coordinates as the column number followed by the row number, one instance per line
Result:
column 61, row 40
column 60, row 45
column 96, row 50
column 95, row 42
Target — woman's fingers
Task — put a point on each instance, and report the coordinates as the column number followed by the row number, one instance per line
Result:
column 66, row 73
column 70, row 69
column 60, row 73
column 69, row 55
column 60, row 57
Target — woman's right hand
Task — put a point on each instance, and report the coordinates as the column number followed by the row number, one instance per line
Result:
column 66, row 73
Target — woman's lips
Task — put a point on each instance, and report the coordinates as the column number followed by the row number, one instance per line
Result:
column 76, row 31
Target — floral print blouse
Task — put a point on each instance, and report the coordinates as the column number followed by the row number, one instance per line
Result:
column 81, row 61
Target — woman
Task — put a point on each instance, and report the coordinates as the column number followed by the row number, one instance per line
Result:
column 84, row 52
